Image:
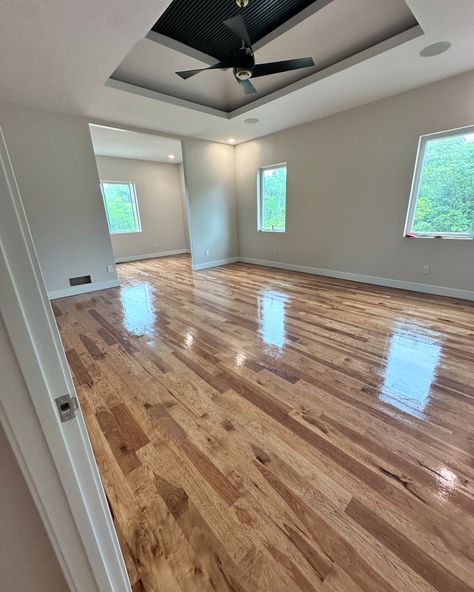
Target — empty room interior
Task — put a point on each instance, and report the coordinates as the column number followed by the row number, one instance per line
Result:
column 237, row 296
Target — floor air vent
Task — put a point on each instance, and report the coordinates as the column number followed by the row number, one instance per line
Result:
column 78, row 281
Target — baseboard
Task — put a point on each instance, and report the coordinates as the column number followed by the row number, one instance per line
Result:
column 150, row 255
column 216, row 263
column 83, row 289
column 367, row 279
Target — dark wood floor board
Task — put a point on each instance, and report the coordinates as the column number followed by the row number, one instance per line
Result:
column 259, row 430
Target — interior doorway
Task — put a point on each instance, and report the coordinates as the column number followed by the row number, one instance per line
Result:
column 143, row 190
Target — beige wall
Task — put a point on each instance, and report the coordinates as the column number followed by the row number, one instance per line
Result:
column 159, row 201
column 54, row 164
column 349, row 178
column 210, row 184
column 27, row 559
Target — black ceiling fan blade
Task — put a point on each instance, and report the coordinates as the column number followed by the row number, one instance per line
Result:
column 247, row 87
column 283, row 66
column 185, row 74
column 237, row 25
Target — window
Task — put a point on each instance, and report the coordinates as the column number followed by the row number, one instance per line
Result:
column 272, row 198
column 442, row 197
column 121, row 207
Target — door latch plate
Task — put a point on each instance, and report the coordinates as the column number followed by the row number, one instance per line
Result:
column 67, row 407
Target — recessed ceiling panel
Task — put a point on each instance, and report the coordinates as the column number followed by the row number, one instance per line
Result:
column 199, row 23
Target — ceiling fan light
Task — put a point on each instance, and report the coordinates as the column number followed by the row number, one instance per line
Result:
column 243, row 73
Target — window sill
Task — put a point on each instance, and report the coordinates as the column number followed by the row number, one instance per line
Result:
column 125, row 232
column 272, row 231
column 465, row 237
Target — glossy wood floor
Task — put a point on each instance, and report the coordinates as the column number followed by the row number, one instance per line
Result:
column 263, row 431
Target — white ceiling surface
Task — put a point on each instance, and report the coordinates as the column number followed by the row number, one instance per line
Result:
column 58, row 55
column 128, row 144
column 336, row 31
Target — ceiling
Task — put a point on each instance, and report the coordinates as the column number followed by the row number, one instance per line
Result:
column 120, row 143
column 69, row 68
column 328, row 31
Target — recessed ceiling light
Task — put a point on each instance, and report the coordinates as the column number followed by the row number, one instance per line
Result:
column 171, row 156
column 231, row 140
column 252, row 120
column 435, row 49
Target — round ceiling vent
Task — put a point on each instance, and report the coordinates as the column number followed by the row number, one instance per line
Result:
column 435, row 49
column 252, row 120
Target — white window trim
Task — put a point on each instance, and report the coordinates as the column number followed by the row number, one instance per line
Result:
column 260, row 205
column 420, row 155
column 136, row 211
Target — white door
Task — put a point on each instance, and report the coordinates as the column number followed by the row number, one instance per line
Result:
column 72, row 503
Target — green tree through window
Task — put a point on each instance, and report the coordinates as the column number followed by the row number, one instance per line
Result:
column 273, row 198
column 445, row 196
column 121, row 207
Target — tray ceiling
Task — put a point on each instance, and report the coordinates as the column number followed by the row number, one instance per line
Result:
column 191, row 35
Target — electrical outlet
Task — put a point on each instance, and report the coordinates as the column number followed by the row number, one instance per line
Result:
column 275, row 251
column 157, row 245
column 426, row 269
column 206, row 252
column 110, row 268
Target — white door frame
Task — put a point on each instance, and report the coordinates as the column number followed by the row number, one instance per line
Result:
column 60, row 469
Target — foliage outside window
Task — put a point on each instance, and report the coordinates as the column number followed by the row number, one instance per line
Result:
column 272, row 199
column 121, row 207
column 442, row 200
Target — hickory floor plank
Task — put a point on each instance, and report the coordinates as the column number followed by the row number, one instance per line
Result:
column 259, row 430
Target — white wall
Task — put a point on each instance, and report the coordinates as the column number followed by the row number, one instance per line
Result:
column 210, row 184
column 184, row 205
column 56, row 172
column 27, row 559
column 160, row 204
column 349, row 178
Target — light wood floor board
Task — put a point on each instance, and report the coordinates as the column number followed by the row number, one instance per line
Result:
column 260, row 430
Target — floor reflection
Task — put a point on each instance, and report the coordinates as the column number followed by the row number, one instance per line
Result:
column 137, row 307
column 413, row 356
column 271, row 317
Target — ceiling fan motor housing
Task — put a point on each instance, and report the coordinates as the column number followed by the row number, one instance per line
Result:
column 245, row 63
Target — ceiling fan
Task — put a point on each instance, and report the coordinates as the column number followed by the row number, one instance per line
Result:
column 243, row 61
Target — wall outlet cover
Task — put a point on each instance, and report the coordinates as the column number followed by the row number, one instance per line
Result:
column 110, row 268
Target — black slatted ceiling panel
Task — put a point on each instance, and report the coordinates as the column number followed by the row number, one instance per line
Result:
column 198, row 23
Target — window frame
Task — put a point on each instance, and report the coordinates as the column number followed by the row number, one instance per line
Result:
column 415, row 186
column 135, row 207
column 260, row 196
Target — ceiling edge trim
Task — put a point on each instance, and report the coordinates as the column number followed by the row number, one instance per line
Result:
column 158, row 96
column 366, row 54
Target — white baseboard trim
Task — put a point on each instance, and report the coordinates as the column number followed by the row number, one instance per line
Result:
column 367, row 279
column 216, row 263
column 74, row 290
column 150, row 255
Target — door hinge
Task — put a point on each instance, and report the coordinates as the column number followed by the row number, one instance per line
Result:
column 67, row 407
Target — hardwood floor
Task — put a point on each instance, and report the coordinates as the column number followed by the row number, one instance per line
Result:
column 263, row 431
